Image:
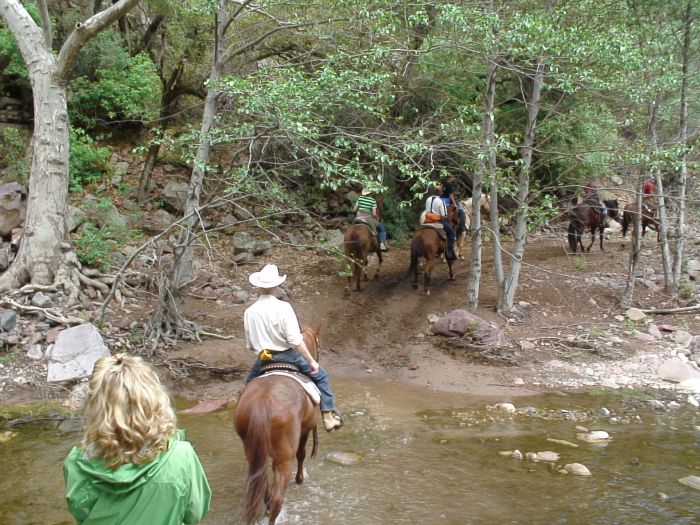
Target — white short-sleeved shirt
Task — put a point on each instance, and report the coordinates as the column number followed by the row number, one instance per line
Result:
column 436, row 205
column 271, row 324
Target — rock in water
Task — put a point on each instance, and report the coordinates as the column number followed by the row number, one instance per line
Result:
column 577, row 469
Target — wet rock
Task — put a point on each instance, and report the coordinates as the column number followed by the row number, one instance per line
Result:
column 517, row 455
column 548, row 456
column 577, row 469
column 507, row 408
column 595, row 436
column 344, row 458
column 8, row 320
column 75, row 353
column 690, row 481
column 635, row 314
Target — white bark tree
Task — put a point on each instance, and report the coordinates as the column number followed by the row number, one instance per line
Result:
column 45, row 255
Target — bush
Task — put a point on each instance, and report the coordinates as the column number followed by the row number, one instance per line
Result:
column 92, row 245
column 14, row 158
column 88, row 163
column 120, row 88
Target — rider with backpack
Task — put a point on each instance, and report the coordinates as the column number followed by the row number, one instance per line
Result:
column 436, row 211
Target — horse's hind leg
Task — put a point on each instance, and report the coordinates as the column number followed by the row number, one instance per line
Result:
column 460, row 243
column 283, row 473
column 301, row 455
column 592, row 241
column 449, row 270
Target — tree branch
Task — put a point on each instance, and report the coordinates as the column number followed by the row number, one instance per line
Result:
column 46, row 23
column 85, row 31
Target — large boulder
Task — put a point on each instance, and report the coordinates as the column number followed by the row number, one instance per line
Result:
column 459, row 323
column 75, row 352
column 175, row 194
column 13, row 207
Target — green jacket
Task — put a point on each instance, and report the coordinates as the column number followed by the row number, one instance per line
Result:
column 170, row 490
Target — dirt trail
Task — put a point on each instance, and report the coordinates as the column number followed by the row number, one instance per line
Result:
column 383, row 331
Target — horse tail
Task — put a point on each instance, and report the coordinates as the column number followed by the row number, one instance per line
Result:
column 258, row 445
column 314, row 437
column 416, row 250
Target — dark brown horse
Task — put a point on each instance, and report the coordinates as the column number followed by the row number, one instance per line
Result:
column 586, row 216
column 274, row 418
column 648, row 218
column 359, row 242
column 429, row 244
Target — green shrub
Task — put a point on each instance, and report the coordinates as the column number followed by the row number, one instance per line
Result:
column 92, row 245
column 88, row 163
column 121, row 88
column 14, row 158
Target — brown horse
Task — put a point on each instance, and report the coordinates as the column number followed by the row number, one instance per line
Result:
column 648, row 218
column 428, row 244
column 587, row 216
column 274, row 418
column 359, row 242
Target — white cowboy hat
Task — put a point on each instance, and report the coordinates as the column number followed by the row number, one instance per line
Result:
column 366, row 191
column 268, row 277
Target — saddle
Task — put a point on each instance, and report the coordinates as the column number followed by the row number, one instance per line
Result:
column 292, row 371
column 436, row 227
column 373, row 231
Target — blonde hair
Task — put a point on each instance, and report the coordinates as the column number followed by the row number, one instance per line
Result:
column 129, row 417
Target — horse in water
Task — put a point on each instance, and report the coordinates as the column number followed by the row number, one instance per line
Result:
column 274, row 418
column 648, row 218
column 359, row 242
column 429, row 244
column 586, row 216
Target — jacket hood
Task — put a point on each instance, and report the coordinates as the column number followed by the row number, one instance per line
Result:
column 125, row 478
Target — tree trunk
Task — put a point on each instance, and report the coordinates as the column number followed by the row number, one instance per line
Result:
column 506, row 293
column 683, row 179
column 45, row 255
column 628, row 295
column 477, row 182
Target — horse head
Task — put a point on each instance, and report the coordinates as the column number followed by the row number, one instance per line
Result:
column 453, row 216
column 311, row 339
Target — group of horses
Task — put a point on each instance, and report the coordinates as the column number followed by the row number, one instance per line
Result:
column 588, row 216
column 429, row 243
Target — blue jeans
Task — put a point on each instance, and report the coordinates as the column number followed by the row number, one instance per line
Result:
column 295, row 358
column 450, row 236
column 381, row 232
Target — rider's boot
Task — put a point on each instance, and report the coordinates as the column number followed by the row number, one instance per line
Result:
column 451, row 256
column 332, row 420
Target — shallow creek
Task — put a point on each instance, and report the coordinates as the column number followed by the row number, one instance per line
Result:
column 427, row 458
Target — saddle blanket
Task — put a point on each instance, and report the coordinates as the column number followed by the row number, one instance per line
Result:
column 366, row 225
column 437, row 227
column 310, row 388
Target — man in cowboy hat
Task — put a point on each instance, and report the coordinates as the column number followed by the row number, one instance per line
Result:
column 272, row 331
column 367, row 211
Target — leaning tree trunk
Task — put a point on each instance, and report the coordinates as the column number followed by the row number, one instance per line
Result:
column 628, row 295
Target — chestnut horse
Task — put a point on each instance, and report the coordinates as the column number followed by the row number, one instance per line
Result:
column 429, row 244
column 648, row 218
column 274, row 418
column 359, row 242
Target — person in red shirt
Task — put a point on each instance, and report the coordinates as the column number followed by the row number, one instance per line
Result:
column 648, row 190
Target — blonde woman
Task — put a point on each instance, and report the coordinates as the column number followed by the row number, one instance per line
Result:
column 133, row 467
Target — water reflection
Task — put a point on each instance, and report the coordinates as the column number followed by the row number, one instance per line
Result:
column 428, row 458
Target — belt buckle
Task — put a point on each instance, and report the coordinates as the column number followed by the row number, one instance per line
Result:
column 265, row 355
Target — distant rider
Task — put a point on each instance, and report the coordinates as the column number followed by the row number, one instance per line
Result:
column 367, row 211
